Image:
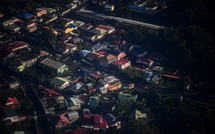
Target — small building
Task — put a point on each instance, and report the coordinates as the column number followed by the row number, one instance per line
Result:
column 8, row 114
column 145, row 61
column 65, row 38
column 77, row 86
column 84, row 52
column 109, row 7
column 57, row 66
column 97, row 47
column 65, row 119
column 84, row 72
column 40, row 11
column 112, row 120
column 75, row 40
column 137, row 51
column 93, row 102
column 86, row 27
column 65, row 47
column 12, row 102
column 148, row 76
column 14, row 46
column 127, row 97
column 60, row 82
column 25, row 15
column 46, row 93
column 95, row 122
column 136, row 114
column 121, row 64
column 93, row 56
column 72, row 104
column 107, row 60
column 108, row 29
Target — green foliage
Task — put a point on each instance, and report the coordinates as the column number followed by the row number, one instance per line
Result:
column 132, row 73
column 49, row 37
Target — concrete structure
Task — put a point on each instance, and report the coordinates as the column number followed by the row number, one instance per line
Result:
column 87, row 14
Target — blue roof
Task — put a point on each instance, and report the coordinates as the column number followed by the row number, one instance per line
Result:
column 26, row 15
column 137, row 7
column 84, row 72
column 84, row 52
column 71, row 25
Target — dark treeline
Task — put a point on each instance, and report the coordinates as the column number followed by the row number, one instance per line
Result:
column 188, row 43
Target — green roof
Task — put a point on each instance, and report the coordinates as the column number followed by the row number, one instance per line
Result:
column 126, row 97
column 59, row 81
column 92, row 102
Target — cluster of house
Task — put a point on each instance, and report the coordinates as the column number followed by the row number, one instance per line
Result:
column 53, row 100
column 147, row 6
column 10, row 105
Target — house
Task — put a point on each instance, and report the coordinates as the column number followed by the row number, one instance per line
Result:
column 42, row 53
column 76, row 24
column 12, row 102
column 12, row 28
column 117, row 43
column 84, row 72
column 97, row 47
column 20, row 63
column 49, row 105
column 93, row 102
column 40, row 11
column 127, row 97
column 112, row 120
column 65, row 119
column 137, row 51
column 65, row 38
column 46, row 93
column 155, row 80
column 109, row 7
column 86, row 27
column 65, row 47
column 77, row 86
column 50, row 17
column 60, row 82
column 76, row 131
column 95, row 122
column 121, row 64
column 158, row 69
column 156, row 56
column 145, row 61
column 71, row 6
column 89, row 36
column 14, row 46
column 30, row 26
column 66, row 21
column 51, row 10
column 136, row 114
column 118, row 53
column 84, row 52
column 171, row 71
column 95, row 76
column 109, row 83
column 93, row 56
column 90, row 90
column 75, row 40
column 13, row 83
column 107, row 60
column 25, row 15
column 57, row 66
column 108, row 29
column 73, row 103
column 7, row 23
column 148, row 76
column 8, row 114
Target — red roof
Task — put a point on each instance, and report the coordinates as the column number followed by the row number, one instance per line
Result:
column 121, row 62
column 65, row 37
column 96, row 120
column 12, row 101
column 65, row 45
column 104, row 27
column 60, row 120
column 76, row 131
column 46, row 27
column 87, row 26
column 15, row 45
column 47, row 93
column 95, row 76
